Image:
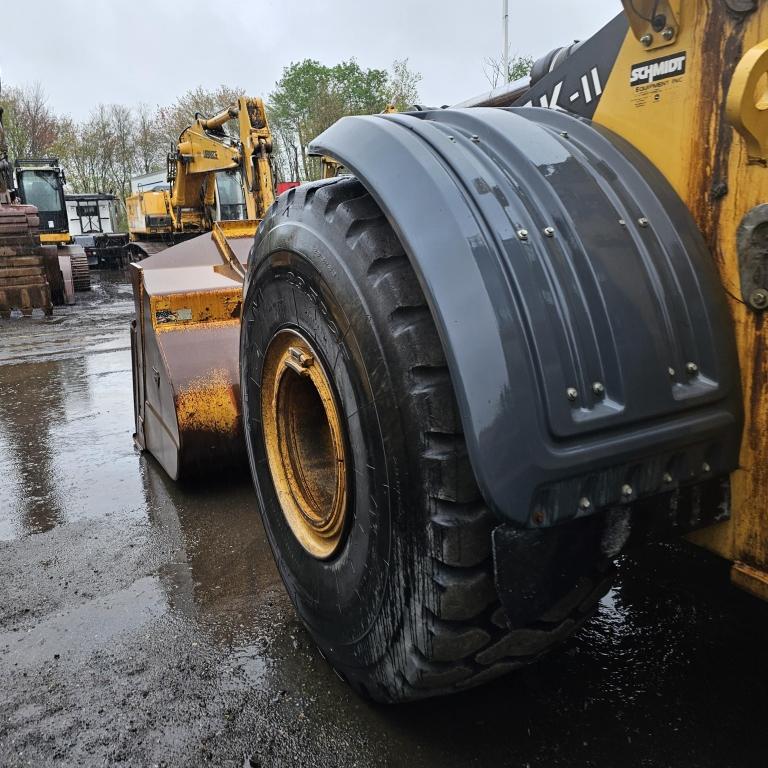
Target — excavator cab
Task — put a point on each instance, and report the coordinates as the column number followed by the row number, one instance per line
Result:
column 40, row 182
column 230, row 198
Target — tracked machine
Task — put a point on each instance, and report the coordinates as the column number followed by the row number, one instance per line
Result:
column 40, row 182
column 522, row 334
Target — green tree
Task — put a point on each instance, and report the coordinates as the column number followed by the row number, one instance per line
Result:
column 310, row 96
column 403, row 86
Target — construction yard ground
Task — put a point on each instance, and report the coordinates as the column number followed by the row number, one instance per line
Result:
column 144, row 624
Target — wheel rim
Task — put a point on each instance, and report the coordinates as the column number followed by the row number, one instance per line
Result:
column 305, row 443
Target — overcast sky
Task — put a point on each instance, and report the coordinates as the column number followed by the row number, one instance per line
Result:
column 127, row 51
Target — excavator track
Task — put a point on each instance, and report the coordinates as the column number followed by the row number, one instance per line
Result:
column 81, row 273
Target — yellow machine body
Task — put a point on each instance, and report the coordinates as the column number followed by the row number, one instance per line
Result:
column 55, row 238
column 330, row 168
column 707, row 132
column 149, row 213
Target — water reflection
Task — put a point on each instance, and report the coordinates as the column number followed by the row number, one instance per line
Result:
column 33, row 401
column 65, row 443
column 220, row 572
column 87, row 626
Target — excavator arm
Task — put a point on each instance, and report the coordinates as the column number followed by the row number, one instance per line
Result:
column 256, row 141
column 205, row 149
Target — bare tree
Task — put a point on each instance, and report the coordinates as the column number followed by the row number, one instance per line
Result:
column 30, row 125
column 88, row 152
column 519, row 66
column 148, row 142
column 124, row 157
column 403, row 86
column 172, row 120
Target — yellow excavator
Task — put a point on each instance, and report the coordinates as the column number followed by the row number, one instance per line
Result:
column 522, row 335
column 185, row 335
column 211, row 177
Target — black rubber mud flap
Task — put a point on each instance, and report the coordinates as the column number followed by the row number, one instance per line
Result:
column 537, row 568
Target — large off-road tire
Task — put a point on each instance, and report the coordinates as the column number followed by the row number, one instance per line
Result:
column 399, row 595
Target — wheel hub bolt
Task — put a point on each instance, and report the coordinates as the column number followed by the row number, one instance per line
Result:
column 626, row 490
column 299, row 361
column 759, row 299
column 572, row 394
column 692, row 368
column 598, row 388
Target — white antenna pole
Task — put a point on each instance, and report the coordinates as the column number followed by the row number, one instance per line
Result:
column 505, row 53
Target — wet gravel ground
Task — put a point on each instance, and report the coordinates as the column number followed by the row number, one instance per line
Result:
column 144, row 624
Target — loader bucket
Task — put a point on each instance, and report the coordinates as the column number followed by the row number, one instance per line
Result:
column 184, row 343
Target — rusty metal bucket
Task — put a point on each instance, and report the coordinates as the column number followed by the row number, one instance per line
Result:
column 184, row 343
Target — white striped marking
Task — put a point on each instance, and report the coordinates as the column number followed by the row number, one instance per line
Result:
column 596, row 81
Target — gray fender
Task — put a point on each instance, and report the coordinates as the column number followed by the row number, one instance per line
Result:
column 584, row 323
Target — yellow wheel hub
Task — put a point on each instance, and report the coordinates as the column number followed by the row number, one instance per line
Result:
column 305, row 445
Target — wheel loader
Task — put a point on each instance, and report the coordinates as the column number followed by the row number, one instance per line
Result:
column 519, row 336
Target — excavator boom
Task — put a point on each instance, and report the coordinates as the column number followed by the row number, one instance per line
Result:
column 204, row 154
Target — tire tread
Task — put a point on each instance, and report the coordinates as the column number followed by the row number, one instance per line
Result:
column 459, row 637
